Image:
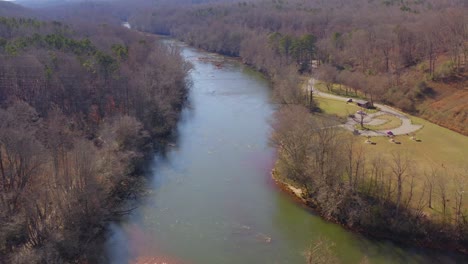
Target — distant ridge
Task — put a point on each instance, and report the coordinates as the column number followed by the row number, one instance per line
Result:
column 11, row 9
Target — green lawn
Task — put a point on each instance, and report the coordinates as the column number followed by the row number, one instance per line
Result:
column 391, row 122
column 438, row 147
column 340, row 90
column 335, row 107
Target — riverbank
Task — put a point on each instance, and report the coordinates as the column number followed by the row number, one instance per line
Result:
column 377, row 232
column 295, row 192
column 314, row 204
column 402, row 237
column 220, row 147
column 340, row 219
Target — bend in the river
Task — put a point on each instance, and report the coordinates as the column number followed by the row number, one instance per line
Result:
column 213, row 200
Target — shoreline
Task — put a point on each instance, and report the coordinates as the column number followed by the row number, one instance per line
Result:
column 288, row 188
column 269, row 78
column 296, row 194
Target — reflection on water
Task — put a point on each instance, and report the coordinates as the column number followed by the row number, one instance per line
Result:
column 214, row 200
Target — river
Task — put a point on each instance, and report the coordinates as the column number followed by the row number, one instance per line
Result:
column 211, row 196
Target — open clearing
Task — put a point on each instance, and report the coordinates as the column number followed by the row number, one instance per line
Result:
column 369, row 117
column 336, row 107
column 435, row 147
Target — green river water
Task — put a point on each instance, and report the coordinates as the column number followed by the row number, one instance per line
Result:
column 212, row 198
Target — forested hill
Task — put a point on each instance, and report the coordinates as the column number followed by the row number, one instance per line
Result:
column 13, row 10
column 79, row 107
column 410, row 54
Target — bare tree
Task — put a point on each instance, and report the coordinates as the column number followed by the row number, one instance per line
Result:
column 441, row 185
column 328, row 74
column 400, row 168
column 430, row 182
column 292, row 136
column 460, row 191
column 355, row 160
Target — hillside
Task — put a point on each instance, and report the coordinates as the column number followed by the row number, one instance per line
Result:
column 9, row 9
column 387, row 50
column 449, row 106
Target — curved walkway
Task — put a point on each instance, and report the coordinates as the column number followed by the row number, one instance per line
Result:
column 406, row 127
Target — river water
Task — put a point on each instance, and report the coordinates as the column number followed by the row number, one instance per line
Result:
column 212, row 199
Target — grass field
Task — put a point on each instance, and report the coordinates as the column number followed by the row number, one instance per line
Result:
column 391, row 122
column 335, row 107
column 340, row 90
column 437, row 147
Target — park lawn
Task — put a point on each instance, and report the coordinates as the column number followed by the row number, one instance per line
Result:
column 439, row 148
column 438, row 145
column 391, row 123
column 446, row 146
column 336, row 107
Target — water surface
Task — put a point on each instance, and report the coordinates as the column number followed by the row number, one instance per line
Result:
column 213, row 200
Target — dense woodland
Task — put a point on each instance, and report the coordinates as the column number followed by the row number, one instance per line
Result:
column 80, row 106
column 410, row 54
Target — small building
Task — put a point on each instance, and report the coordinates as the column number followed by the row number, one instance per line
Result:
column 364, row 104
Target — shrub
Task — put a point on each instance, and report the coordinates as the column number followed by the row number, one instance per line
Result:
column 445, row 70
column 422, row 90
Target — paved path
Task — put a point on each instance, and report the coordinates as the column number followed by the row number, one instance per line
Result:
column 406, row 126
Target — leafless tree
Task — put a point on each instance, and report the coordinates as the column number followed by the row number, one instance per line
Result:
column 328, row 74
column 441, row 184
column 400, row 168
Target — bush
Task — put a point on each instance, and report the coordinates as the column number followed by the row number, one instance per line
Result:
column 445, row 70
column 422, row 90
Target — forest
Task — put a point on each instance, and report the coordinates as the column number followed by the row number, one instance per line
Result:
column 82, row 101
column 409, row 54
column 81, row 107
